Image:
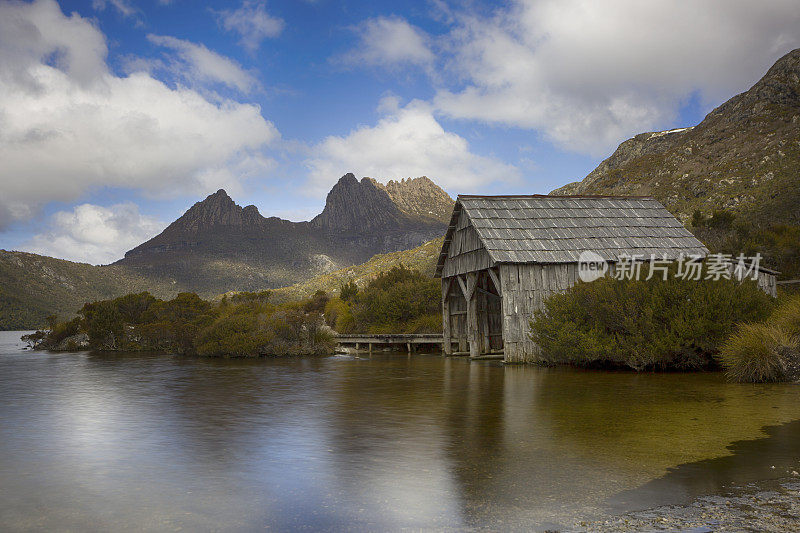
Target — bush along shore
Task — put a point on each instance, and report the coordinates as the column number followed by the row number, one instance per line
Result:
column 243, row 325
column 248, row 324
column 672, row 324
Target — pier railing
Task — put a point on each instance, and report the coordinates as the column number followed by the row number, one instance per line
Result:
column 409, row 341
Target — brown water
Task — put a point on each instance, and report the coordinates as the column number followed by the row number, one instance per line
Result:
column 145, row 442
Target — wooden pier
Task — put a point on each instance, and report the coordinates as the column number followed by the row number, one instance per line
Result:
column 408, row 341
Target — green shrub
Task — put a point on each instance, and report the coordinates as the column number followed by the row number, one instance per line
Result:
column 335, row 309
column 348, row 290
column 644, row 325
column 431, row 323
column 317, row 303
column 242, row 325
column 395, row 301
column 235, row 335
column 787, row 316
column 758, row 353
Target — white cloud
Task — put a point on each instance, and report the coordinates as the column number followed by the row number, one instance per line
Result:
column 199, row 65
column 68, row 125
column 94, row 234
column 589, row 74
column 389, row 42
column 406, row 142
column 124, row 7
column 252, row 22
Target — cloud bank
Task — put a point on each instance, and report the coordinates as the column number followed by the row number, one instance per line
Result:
column 407, row 142
column 69, row 125
column 589, row 74
column 94, row 234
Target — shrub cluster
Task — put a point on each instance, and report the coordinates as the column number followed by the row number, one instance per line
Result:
column 243, row 325
column 645, row 325
column 401, row 300
column 767, row 351
column 779, row 244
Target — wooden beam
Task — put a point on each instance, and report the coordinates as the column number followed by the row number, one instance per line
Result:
column 495, row 280
column 447, row 346
column 446, row 285
column 472, row 316
column 484, row 320
column 463, row 287
column 472, row 283
column 487, row 293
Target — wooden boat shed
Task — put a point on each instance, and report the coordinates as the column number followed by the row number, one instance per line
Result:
column 504, row 255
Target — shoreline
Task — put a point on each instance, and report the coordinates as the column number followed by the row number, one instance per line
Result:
column 768, row 505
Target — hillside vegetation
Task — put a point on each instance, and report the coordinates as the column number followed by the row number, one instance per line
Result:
column 422, row 258
column 33, row 287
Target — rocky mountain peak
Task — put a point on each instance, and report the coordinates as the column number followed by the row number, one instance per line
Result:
column 778, row 89
column 419, row 197
column 217, row 209
column 356, row 205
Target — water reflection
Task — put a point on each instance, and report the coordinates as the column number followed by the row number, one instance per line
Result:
column 132, row 442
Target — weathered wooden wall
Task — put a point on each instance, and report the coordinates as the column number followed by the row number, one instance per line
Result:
column 466, row 252
column 767, row 282
column 525, row 288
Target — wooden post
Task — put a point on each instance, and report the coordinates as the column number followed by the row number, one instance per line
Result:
column 408, row 347
column 472, row 315
column 447, row 345
column 463, row 341
column 370, row 348
column 484, row 321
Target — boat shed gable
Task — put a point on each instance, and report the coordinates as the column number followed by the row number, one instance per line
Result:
column 557, row 229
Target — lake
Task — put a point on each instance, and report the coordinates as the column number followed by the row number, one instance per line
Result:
column 129, row 442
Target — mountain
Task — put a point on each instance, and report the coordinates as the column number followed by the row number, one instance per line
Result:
column 218, row 246
column 32, row 287
column 422, row 258
column 742, row 161
column 744, row 156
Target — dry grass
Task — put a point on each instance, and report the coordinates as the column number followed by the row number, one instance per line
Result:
column 759, row 353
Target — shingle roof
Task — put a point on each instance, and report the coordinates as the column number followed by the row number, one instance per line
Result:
column 556, row 229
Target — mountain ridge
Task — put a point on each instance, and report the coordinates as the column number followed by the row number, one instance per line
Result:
column 217, row 245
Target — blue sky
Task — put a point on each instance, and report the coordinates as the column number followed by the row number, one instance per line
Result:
column 119, row 114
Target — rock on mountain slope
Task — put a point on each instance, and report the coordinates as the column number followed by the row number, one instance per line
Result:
column 420, row 197
column 743, row 157
column 218, row 246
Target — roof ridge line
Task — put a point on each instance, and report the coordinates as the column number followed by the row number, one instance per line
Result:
column 553, row 196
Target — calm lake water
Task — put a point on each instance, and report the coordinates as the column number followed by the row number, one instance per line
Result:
column 145, row 442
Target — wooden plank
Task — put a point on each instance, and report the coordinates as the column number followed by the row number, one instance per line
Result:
column 447, row 345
